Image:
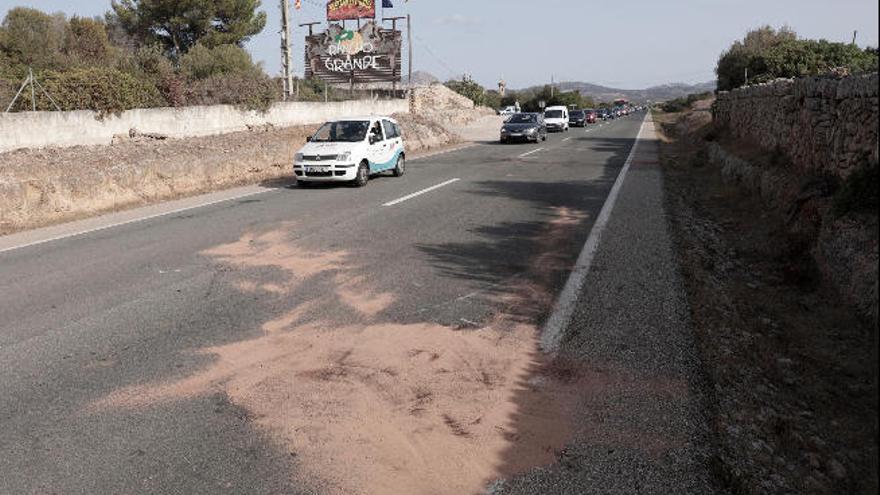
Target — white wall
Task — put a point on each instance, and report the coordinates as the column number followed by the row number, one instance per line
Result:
column 40, row 129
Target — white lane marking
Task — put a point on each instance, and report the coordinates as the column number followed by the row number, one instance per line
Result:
column 165, row 213
column 419, row 193
column 530, row 152
column 133, row 220
column 566, row 139
column 553, row 331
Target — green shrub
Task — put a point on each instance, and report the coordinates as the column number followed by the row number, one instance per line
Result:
column 202, row 62
column 249, row 91
column 100, row 89
column 766, row 54
column 469, row 89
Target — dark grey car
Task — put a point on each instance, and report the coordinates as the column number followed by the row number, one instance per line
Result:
column 524, row 127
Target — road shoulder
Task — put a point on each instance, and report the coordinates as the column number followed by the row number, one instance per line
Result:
column 642, row 422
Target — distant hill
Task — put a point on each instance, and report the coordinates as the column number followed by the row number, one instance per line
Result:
column 654, row 93
column 421, row 78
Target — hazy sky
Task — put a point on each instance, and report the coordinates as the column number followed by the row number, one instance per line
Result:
column 623, row 43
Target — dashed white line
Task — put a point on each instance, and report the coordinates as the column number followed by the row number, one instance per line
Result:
column 530, row 152
column 566, row 139
column 419, row 193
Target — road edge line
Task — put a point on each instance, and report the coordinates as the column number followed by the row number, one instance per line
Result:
column 556, row 324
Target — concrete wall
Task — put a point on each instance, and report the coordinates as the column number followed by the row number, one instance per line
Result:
column 42, row 129
column 825, row 125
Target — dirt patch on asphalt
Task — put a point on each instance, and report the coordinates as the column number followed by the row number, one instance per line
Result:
column 792, row 368
column 379, row 407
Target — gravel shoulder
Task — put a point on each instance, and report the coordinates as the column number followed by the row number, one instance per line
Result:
column 793, row 396
column 641, row 422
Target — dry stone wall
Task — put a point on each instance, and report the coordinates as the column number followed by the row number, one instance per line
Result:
column 825, row 125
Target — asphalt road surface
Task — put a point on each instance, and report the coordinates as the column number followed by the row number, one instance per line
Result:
column 89, row 323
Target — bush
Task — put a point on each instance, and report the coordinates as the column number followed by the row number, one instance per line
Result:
column 684, row 103
column 469, row 89
column 202, row 62
column 768, row 54
column 248, row 91
column 100, row 89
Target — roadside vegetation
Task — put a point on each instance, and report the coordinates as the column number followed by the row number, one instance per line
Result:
column 685, row 102
column 141, row 54
column 766, row 53
column 529, row 99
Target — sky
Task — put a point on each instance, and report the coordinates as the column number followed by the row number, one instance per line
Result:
column 630, row 44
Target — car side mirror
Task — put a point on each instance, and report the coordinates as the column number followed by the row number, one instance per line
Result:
column 374, row 139
column 309, row 139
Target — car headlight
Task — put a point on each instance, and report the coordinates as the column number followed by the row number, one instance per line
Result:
column 344, row 157
column 298, row 157
column 530, row 130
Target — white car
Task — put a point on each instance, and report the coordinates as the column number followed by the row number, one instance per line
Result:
column 351, row 150
column 556, row 118
column 508, row 111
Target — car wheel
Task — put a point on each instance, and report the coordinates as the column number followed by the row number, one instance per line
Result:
column 543, row 137
column 400, row 168
column 303, row 184
column 503, row 141
column 363, row 175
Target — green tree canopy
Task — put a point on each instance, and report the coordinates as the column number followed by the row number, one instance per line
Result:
column 32, row 38
column 765, row 54
column 177, row 25
column 202, row 62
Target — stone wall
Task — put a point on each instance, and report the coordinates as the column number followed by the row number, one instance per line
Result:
column 825, row 125
column 62, row 129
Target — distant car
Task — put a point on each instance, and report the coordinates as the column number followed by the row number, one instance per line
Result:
column 556, row 118
column 507, row 111
column 591, row 115
column 351, row 150
column 577, row 118
column 524, row 127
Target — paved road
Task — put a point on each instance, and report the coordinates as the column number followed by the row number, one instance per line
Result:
column 89, row 324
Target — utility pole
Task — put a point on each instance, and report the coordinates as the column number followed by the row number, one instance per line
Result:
column 286, row 55
column 552, row 86
column 409, row 38
column 855, row 32
column 409, row 42
column 746, row 83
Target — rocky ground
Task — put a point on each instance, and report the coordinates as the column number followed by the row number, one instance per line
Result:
column 791, row 369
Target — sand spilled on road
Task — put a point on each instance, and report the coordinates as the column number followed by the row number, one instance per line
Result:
column 379, row 407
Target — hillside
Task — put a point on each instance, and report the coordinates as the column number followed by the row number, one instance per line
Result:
column 654, row 93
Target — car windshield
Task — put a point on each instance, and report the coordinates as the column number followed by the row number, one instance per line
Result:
column 523, row 118
column 553, row 114
column 342, row 132
column 577, row 114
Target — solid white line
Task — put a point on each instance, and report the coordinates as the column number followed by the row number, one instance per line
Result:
column 133, row 220
column 551, row 336
column 530, row 152
column 419, row 193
